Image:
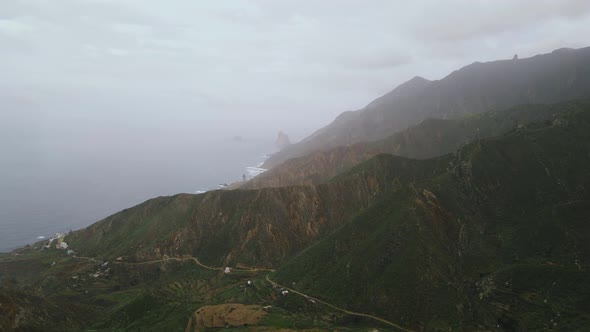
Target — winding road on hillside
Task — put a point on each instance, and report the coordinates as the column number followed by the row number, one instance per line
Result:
column 196, row 260
column 353, row 313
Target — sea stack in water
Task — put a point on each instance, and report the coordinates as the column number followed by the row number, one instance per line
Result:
column 282, row 140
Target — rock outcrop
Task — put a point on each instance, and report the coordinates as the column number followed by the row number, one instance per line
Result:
column 282, row 140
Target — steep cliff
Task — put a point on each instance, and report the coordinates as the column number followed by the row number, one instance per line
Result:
column 260, row 227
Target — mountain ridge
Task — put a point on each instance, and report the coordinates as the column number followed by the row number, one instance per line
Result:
column 475, row 88
column 430, row 138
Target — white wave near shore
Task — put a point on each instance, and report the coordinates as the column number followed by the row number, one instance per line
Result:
column 250, row 172
column 254, row 171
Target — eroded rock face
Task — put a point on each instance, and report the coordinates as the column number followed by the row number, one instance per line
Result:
column 260, row 227
column 223, row 315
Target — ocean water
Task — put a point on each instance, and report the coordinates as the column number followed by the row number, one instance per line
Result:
column 67, row 185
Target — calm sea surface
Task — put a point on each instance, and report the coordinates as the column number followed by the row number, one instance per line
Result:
column 65, row 185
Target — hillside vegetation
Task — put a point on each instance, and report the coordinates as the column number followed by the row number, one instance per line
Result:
column 491, row 235
column 495, row 236
column 253, row 227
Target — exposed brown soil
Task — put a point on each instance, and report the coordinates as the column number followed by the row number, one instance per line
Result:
column 222, row 315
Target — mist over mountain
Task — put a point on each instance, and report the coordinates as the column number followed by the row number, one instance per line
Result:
column 481, row 231
column 479, row 87
column 430, row 138
column 479, row 238
column 278, row 166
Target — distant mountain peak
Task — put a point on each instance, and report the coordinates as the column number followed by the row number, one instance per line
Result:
column 475, row 88
column 408, row 88
column 415, row 83
column 417, row 79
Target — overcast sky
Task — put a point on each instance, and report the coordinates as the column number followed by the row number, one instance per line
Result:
column 91, row 65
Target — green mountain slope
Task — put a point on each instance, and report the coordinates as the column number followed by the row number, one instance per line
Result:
column 259, row 227
column 548, row 78
column 431, row 138
column 495, row 238
column 492, row 237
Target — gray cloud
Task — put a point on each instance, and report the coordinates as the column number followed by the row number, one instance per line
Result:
column 296, row 64
column 460, row 20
